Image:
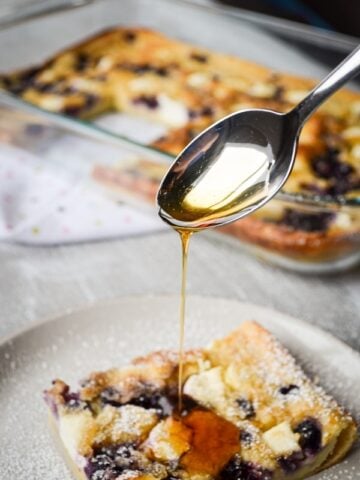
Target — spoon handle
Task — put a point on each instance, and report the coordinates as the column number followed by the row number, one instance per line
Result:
column 347, row 69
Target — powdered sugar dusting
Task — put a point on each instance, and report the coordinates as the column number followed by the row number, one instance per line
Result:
column 112, row 334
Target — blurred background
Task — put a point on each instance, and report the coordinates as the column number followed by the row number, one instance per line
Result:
column 311, row 12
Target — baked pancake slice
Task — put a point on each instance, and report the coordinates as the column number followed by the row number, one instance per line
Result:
column 249, row 413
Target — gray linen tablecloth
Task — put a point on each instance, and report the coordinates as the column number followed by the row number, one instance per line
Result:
column 41, row 282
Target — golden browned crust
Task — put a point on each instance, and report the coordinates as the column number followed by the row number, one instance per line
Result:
column 157, row 370
column 296, row 243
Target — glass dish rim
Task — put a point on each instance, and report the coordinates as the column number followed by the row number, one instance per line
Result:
column 96, row 132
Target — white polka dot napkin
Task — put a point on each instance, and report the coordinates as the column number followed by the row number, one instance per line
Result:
column 43, row 205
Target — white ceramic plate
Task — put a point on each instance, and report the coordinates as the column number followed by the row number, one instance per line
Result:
column 111, row 334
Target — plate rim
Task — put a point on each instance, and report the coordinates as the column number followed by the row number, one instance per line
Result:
column 19, row 338
column 34, row 325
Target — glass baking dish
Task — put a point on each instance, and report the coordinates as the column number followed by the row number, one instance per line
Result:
column 138, row 167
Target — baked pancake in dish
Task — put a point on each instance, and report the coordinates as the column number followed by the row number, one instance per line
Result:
column 249, row 413
column 186, row 88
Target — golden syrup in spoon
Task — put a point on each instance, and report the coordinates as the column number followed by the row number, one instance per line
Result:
column 221, row 191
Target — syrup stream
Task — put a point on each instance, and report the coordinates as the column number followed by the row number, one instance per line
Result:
column 184, row 237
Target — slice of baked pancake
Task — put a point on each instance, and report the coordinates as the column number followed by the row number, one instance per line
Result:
column 249, row 412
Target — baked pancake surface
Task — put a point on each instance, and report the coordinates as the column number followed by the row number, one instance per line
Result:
column 249, row 412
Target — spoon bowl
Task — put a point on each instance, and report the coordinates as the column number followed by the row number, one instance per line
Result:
column 229, row 170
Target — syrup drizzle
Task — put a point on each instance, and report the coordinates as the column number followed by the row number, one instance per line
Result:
column 185, row 238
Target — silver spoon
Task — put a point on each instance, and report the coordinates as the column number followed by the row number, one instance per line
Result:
column 239, row 163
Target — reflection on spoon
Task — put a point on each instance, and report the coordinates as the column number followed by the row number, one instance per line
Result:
column 228, row 179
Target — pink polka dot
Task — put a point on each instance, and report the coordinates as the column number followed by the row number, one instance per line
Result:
column 9, row 227
column 7, row 198
column 65, row 230
column 127, row 219
column 9, row 175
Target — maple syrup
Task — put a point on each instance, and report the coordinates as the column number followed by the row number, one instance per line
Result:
column 185, row 238
column 214, row 441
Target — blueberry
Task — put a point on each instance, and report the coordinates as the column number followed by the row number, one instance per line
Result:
column 278, row 95
column 310, row 435
column 72, row 110
column 199, row 57
column 291, row 463
column 17, row 89
column 161, row 71
column 111, row 396
column 124, row 451
column 111, row 474
column 90, row 100
column 129, row 37
column 76, row 110
column 285, row 390
column 69, row 90
column 82, row 62
column 99, row 462
column 342, row 186
column 207, row 111
column 21, row 83
column 329, row 165
column 149, row 101
column 27, row 77
column 247, row 407
column 308, row 222
column 188, row 404
column 156, row 401
column 237, row 469
column 44, row 87
column 245, row 437
column 203, row 112
column 5, row 81
column 163, row 402
column 107, row 463
column 73, row 401
column 142, row 68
